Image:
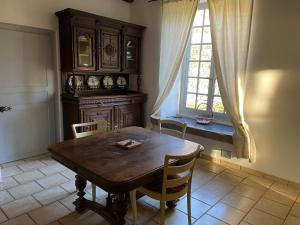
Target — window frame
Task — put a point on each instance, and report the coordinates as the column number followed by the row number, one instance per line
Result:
column 183, row 110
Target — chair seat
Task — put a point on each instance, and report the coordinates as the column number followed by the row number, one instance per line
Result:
column 157, row 186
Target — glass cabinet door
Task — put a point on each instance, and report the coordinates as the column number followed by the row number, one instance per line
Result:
column 85, row 49
column 131, row 52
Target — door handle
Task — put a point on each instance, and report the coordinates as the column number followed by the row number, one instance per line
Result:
column 4, row 109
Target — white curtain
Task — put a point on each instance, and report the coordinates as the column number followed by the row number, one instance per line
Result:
column 230, row 28
column 177, row 20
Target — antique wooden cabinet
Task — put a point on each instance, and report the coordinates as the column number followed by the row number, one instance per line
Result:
column 121, row 110
column 93, row 43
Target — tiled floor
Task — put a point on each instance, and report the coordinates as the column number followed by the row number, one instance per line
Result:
column 41, row 191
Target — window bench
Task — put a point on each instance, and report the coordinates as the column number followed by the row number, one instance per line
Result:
column 216, row 131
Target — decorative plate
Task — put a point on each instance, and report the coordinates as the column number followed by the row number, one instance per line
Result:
column 121, row 82
column 78, row 81
column 107, row 82
column 93, row 82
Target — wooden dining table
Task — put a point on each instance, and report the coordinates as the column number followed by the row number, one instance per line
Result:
column 116, row 170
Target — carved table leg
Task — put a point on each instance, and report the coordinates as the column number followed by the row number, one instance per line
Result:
column 80, row 185
column 118, row 205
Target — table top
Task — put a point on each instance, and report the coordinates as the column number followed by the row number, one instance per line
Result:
column 100, row 160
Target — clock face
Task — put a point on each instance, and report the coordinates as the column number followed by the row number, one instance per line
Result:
column 121, row 82
column 107, row 82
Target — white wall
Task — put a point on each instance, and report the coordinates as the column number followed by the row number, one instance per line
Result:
column 40, row 14
column 272, row 107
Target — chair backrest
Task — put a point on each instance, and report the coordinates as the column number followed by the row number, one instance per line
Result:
column 86, row 129
column 178, row 171
column 172, row 127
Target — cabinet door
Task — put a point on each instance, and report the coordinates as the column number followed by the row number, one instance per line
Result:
column 110, row 51
column 131, row 54
column 128, row 115
column 84, row 49
column 94, row 114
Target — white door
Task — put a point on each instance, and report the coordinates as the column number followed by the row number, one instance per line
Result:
column 27, row 85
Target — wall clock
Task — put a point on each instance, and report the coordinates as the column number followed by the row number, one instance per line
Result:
column 121, row 82
column 107, row 82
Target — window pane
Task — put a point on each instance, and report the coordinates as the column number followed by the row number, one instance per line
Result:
column 190, row 101
column 206, row 52
column 203, row 86
column 196, row 35
column 195, row 52
column 206, row 20
column 205, row 69
column 217, row 90
column 218, row 105
column 192, row 85
column 193, row 69
column 206, row 35
column 201, row 102
column 198, row 21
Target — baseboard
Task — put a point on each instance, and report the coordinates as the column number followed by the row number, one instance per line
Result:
column 248, row 170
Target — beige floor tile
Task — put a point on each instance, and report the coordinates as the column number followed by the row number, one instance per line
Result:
column 249, row 191
column 296, row 210
column 150, row 201
column 238, row 173
column 273, row 208
column 5, row 197
column 28, row 176
column 68, row 174
column 20, row 220
column 206, row 196
column 285, row 188
column 226, row 213
column 213, row 167
column 257, row 217
column 50, row 195
column 52, row 180
column 31, row 165
column 14, row 163
column 52, row 169
column 280, row 197
column 55, row 223
column 68, row 201
column 298, row 199
column 238, row 201
column 49, row 161
column 24, row 190
column 69, row 186
column 198, row 208
column 145, row 212
column 258, row 182
column 8, row 182
column 201, row 177
column 228, row 178
column 3, row 218
column 209, row 220
column 244, row 223
column 20, row 206
column 292, row 220
column 49, row 213
column 173, row 216
column 10, row 171
column 86, row 218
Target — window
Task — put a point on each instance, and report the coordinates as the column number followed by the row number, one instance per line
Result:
column 200, row 91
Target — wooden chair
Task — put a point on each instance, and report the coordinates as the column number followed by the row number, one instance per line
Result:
column 172, row 127
column 87, row 129
column 176, row 182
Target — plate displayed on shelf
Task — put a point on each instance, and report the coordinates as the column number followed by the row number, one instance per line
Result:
column 78, row 81
column 121, row 82
column 93, row 82
column 107, row 82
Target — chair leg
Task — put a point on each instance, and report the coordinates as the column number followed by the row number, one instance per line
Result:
column 94, row 192
column 162, row 212
column 189, row 208
column 133, row 205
